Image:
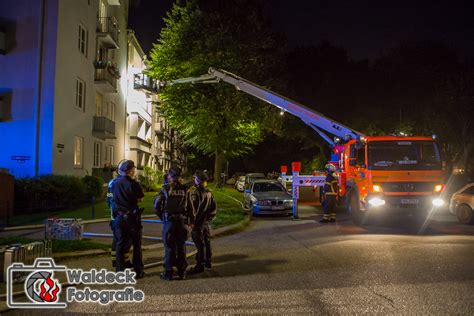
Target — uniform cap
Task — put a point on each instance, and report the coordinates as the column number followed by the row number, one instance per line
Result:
column 201, row 175
column 174, row 172
column 126, row 165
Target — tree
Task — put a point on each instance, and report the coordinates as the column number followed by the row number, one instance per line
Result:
column 216, row 118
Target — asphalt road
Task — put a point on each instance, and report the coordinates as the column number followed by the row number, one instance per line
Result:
column 279, row 265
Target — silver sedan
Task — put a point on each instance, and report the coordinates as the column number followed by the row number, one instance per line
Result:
column 267, row 197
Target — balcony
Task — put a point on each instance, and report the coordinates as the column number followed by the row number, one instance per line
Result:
column 106, row 76
column 108, row 32
column 144, row 82
column 103, row 128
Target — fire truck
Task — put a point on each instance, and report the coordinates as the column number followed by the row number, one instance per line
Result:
column 377, row 174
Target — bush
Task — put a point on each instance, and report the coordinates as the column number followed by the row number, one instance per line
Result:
column 55, row 192
column 150, row 179
column 94, row 185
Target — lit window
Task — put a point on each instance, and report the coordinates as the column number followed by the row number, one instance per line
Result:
column 82, row 40
column 78, row 151
column 80, row 94
column 98, row 104
column 97, row 154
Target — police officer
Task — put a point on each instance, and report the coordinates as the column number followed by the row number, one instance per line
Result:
column 331, row 189
column 170, row 206
column 125, row 194
column 202, row 208
column 128, row 246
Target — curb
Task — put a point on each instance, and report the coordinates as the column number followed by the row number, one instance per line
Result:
column 85, row 222
column 231, row 229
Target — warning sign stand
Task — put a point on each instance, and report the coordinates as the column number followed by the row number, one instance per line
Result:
column 302, row 181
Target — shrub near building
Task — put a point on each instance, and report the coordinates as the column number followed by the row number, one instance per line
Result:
column 55, row 192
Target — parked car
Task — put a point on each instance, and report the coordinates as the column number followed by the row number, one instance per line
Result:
column 267, row 197
column 462, row 204
column 240, row 184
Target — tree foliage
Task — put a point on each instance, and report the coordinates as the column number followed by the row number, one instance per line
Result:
column 232, row 35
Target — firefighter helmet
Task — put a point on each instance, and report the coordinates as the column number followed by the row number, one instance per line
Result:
column 330, row 167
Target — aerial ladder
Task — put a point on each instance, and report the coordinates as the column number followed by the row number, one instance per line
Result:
column 317, row 121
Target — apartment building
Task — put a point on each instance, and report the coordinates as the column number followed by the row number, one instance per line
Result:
column 68, row 104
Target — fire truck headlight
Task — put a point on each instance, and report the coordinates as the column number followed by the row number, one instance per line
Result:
column 439, row 188
column 377, row 188
column 375, row 201
column 438, row 202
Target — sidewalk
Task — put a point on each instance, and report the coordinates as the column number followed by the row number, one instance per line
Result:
column 152, row 251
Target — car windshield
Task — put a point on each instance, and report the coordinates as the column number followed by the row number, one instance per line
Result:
column 404, row 155
column 268, row 187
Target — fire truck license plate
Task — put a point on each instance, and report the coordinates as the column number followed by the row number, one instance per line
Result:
column 410, row 201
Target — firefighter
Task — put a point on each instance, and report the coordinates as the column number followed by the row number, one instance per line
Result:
column 170, row 206
column 124, row 196
column 331, row 189
column 202, row 208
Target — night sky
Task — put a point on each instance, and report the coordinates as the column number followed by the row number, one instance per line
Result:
column 363, row 27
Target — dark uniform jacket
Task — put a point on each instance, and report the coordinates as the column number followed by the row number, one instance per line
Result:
column 124, row 193
column 201, row 206
column 331, row 187
column 171, row 200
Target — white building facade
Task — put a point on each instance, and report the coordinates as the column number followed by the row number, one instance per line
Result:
column 67, row 102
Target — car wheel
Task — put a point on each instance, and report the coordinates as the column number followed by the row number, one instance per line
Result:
column 465, row 214
column 358, row 216
column 252, row 212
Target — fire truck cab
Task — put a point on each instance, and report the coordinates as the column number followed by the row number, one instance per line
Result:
column 393, row 174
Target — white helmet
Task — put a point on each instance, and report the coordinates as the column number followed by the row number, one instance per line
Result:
column 330, row 167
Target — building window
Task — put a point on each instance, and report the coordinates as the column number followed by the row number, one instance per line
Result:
column 99, row 99
column 78, row 151
column 82, row 40
column 97, row 154
column 109, row 155
column 80, row 94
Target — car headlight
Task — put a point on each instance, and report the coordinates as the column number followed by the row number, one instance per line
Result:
column 288, row 203
column 264, row 203
column 438, row 202
column 439, row 188
column 376, row 201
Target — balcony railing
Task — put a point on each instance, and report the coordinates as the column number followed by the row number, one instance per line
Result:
column 108, row 29
column 144, row 82
column 103, row 127
column 108, row 74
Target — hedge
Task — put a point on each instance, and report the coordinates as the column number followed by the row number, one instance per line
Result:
column 55, row 192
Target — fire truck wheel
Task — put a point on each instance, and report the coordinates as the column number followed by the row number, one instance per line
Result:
column 465, row 214
column 358, row 217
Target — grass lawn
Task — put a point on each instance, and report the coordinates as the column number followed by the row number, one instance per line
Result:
column 229, row 211
column 58, row 245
